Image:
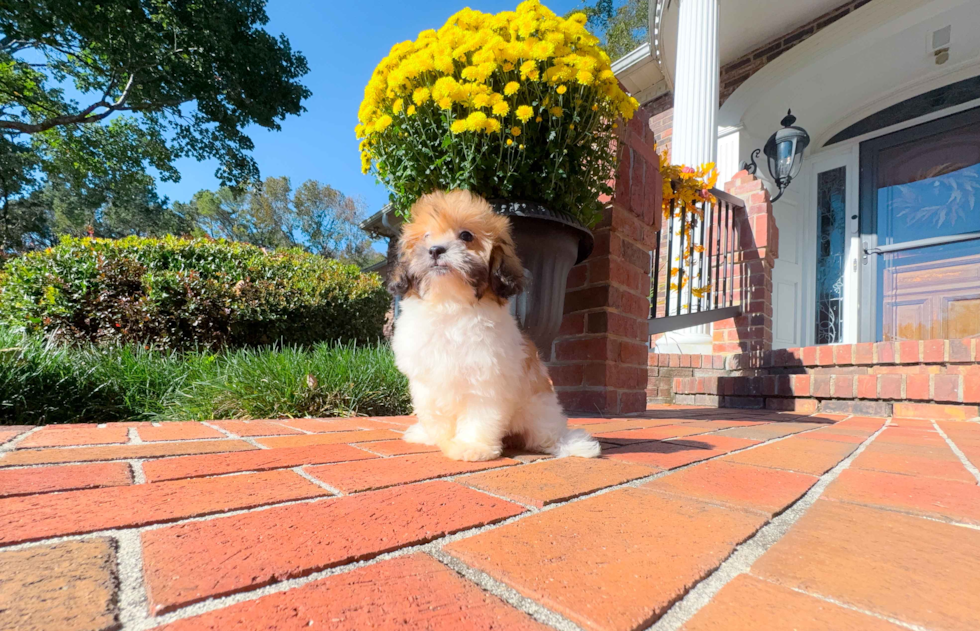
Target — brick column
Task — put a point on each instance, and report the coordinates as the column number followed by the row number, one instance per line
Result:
column 599, row 363
column 759, row 248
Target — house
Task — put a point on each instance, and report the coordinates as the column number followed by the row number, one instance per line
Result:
column 859, row 287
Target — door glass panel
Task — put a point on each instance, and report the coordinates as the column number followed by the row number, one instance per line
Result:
column 931, row 293
column 831, row 197
column 929, row 187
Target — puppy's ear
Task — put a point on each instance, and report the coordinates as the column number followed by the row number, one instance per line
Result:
column 506, row 271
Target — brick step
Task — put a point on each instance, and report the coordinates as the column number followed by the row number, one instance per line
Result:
column 897, row 394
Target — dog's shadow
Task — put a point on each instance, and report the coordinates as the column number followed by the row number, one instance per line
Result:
column 633, row 446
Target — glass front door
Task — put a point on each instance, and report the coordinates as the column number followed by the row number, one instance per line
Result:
column 920, row 210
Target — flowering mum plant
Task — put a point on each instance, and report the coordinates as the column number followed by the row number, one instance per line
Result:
column 519, row 105
column 686, row 191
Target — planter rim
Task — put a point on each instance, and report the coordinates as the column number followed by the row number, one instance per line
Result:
column 536, row 210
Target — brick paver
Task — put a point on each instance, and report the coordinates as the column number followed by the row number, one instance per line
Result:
column 71, row 587
column 331, row 438
column 351, row 477
column 190, row 562
column 912, row 569
column 413, row 592
column 941, row 499
column 584, row 558
column 768, row 491
column 120, row 452
column 256, row 460
column 33, row 480
column 177, row 430
column 797, row 453
column 64, row 436
column 95, row 520
column 555, row 480
column 751, row 604
column 33, row 517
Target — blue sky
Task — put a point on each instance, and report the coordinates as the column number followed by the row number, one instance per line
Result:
column 342, row 41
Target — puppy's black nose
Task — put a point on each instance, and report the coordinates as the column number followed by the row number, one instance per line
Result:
column 437, row 250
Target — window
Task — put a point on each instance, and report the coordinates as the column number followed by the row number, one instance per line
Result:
column 831, row 197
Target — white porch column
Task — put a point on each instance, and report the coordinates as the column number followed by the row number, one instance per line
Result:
column 695, row 132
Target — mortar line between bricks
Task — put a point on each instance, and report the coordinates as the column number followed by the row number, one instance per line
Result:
column 134, row 436
column 959, row 453
column 320, row 483
column 250, row 440
column 298, row 429
column 504, row 592
column 133, row 600
column 11, row 444
column 136, row 465
column 749, row 551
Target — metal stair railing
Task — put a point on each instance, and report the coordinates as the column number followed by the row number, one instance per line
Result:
column 706, row 252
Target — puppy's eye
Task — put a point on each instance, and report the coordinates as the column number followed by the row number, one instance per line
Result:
column 466, row 236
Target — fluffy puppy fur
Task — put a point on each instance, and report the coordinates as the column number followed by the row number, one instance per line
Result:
column 474, row 378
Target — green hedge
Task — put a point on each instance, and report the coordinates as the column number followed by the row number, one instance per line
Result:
column 181, row 294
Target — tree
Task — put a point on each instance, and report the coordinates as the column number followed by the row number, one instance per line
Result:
column 315, row 217
column 99, row 94
column 622, row 29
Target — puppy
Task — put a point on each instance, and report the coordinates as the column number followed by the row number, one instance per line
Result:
column 474, row 378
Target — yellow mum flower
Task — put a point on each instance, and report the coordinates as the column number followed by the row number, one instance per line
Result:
column 481, row 101
column 537, row 119
column 556, row 111
column 459, row 126
column 411, row 110
column 585, row 77
column 511, row 88
column 508, row 67
column 561, row 89
column 524, row 113
column 382, row 123
column 445, row 102
column 421, row 95
column 529, row 68
column 476, row 121
column 515, row 131
column 509, row 142
column 542, row 50
column 492, row 126
column 501, row 109
column 397, row 106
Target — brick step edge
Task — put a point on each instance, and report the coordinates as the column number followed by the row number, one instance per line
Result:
column 943, row 388
column 804, row 405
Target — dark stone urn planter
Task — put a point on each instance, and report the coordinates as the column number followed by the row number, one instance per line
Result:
column 549, row 244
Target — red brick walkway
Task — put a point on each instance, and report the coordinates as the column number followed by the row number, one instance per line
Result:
column 694, row 519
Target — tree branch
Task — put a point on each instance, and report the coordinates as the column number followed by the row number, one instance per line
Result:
column 83, row 117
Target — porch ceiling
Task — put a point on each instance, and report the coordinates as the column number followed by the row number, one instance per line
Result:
column 745, row 25
column 872, row 58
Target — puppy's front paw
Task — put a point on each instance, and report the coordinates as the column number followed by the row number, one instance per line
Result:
column 471, row 452
column 418, row 434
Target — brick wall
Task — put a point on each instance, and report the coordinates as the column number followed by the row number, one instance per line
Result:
column 751, row 332
column 599, row 361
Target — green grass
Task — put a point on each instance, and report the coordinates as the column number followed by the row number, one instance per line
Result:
column 42, row 382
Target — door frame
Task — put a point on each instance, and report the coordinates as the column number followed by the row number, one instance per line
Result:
column 868, row 205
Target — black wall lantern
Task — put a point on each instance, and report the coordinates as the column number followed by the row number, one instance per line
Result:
column 784, row 151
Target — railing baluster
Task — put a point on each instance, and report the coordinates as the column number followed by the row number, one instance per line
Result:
column 670, row 258
column 680, row 265
column 705, row 208
column 690, row 264
column 731, row 273
column 655, row 272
